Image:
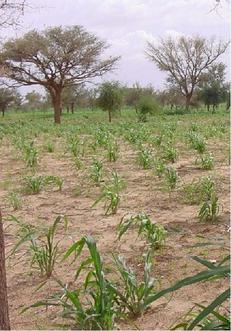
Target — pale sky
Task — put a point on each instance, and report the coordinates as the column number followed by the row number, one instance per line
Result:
column 127, row 24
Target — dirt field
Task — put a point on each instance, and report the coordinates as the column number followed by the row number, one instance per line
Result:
column 143, row 193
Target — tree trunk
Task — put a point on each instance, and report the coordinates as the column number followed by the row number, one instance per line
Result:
column 4, row 311
column 68, row 109
column 72, row 107
column 109, row 115
column 188, row 99
column 56, row 101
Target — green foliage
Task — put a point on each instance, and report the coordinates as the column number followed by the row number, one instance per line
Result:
column 99, row 302
column 91, row 306
column 171, row 178
column 153, row 233
column 96, row 171
column 110, row 98
column 42, row 247
column 220, row 270
column 197, row 142
column 34, row 184
column 199, row 190
column 112, row 150
column 14, row 200
column 49, row 147
column 170, row 153
column 208, row 318
column 210, row 209
column 159, row 167
column 111, row 194
column 207, row 161
column 132, row 294
column 145, row 158
column 146, row 105
column 30, row 155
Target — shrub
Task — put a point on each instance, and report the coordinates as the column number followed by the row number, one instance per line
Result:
column 110, row 98
column 146, row 105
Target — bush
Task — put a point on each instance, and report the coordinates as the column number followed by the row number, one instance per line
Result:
column 110, row 98
column 146, row 105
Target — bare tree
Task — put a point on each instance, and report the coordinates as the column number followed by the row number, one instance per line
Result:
column 11, row 11
column 55, row 59
column 185, row 59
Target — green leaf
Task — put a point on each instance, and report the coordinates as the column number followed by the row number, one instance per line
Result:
column 217, row 302
column 201, row 276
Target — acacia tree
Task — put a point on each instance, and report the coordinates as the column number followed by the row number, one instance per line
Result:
column 213, row 88
column 110, row 98
column 56, row 58
column 11, row 11
column 185, row 59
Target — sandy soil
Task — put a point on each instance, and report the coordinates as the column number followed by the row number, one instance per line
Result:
column 142, row 193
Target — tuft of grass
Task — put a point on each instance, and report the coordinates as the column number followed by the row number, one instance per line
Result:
column 206, row 161
column 14, row 200
column 49, row 147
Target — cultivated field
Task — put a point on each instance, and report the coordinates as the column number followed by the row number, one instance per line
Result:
column 85, row 168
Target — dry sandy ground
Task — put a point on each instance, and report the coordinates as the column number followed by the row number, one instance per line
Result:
column 142, row 193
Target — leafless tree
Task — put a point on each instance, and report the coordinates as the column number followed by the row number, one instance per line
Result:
column 55, row 59
column 11, row 11
column 185, row 59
